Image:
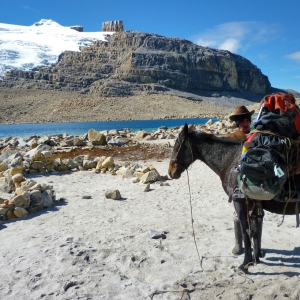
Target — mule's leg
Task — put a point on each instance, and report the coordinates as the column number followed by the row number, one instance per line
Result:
column 260, row 218
column 256, row 227
column 256, row 236
column 259, row 228
column 238, row 247
column 241, row 210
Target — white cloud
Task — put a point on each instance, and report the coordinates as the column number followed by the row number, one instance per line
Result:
column 235, row 36
column 230, row 44
column 294, row 56
column 29, row 8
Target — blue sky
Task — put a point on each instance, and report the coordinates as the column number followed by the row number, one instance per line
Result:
column 267, row 32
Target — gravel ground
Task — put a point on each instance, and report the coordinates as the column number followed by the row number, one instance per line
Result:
column 26, row 106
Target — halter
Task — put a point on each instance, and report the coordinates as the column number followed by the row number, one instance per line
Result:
column 175, row 160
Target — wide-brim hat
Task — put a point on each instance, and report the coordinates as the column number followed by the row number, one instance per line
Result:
column 240, row 112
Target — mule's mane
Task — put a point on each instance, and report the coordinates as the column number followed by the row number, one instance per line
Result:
column 212, row 137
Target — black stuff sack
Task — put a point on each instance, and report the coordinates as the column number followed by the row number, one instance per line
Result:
column 262, row 173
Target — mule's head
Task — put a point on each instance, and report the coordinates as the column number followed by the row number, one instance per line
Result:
column 182, row 155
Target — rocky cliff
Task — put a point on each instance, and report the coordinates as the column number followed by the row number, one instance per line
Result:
column 132, row 62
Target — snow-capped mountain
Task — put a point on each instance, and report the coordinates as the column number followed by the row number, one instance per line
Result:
column 26, row 47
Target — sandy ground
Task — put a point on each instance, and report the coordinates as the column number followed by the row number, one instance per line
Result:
column 100, row 249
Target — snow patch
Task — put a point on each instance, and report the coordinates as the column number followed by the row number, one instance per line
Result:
column 27, row 47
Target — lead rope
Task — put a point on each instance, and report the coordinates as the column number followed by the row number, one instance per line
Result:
column 192, row 221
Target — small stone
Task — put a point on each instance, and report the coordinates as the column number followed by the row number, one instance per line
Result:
column 3, row 217
column 113, row 194
column 153, row 234
column 86, row 197
column 147, row 188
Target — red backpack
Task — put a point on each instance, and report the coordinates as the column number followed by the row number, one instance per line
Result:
column 280, row 114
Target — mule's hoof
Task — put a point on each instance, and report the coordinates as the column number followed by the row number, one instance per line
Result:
column 243, row 268
column 237, row 251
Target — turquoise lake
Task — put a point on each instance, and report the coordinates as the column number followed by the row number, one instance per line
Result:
column 26, row 130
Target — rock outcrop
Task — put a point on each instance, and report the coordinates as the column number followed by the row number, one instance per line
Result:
column 132, row 62
column 112, row 26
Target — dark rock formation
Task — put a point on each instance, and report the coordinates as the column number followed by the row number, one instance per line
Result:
column 131, row 62
column 77, row 28
column 112, row 26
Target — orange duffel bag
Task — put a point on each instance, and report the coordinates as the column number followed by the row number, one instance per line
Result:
column 280, row 114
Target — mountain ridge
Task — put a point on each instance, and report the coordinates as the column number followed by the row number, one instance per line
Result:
column 128, row 63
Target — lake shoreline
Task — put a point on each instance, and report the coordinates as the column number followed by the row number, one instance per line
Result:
column 79, row 128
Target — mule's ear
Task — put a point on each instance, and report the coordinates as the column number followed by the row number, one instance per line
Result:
column 185, row 129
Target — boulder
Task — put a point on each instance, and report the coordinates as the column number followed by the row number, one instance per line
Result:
column 140, row 134
column 100, row 161
column 89, row 164
column 125, row 172
column 6, row 184
column 35, row 198
column 62, row 168
column 21, row 200
column 47, row 199
column 109, row 161
column 150, row 176
column 43, row 140
column 46, row 154
column 3, row 166
column 4, row 209
column 15, row 170
column 37, row 165
column 78, row 141
column 49, row 167
column 28, row 184
column 32, row 143
column 18, row 178
column 20, row 212
column 16, row 161
column 118, row 142
column 96, row 137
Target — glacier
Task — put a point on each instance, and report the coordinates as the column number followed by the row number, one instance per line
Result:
column 38, row 45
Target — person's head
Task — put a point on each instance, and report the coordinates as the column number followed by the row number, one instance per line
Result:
column 242, row 118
